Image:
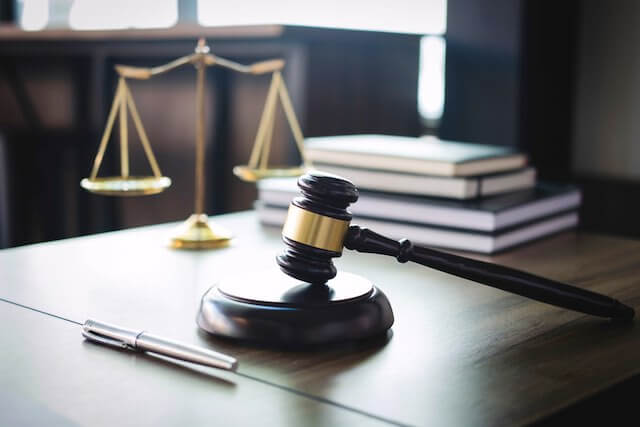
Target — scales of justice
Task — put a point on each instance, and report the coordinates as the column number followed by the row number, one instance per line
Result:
column 196, row 232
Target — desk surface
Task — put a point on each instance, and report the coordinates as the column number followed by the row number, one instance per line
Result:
column 459, row 354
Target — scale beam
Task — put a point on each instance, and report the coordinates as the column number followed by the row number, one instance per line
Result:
column 209, row 60
column 141, row 73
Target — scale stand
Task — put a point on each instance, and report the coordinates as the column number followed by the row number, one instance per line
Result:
column 196, row 232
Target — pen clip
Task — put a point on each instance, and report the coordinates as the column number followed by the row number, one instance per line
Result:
column 111, row 335
column 104, row 340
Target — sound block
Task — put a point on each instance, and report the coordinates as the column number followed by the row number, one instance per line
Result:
column 272, row 308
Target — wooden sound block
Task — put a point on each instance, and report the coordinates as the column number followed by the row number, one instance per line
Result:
column 271, row 308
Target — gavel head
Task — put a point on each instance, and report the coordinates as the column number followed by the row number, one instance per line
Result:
column 316, row 226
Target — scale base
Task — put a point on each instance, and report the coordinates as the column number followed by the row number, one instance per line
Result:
column 197, row 233
column 274, row 309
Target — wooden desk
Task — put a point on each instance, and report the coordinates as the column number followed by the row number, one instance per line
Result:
column 460, row 353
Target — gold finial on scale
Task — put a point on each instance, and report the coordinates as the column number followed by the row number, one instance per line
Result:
column 196, row 232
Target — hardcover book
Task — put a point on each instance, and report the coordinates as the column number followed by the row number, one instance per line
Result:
column 432, row 185
column 426, row 155
column 486, row 214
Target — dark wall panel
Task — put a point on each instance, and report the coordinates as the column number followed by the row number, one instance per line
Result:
column 482, row 71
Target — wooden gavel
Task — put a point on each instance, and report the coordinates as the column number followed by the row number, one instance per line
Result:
column 318, row 227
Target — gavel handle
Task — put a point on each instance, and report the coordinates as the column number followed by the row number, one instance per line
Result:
column 498, row 276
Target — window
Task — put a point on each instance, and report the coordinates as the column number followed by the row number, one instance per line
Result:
column 97, row 14
column 431, row 80
column 405, row 16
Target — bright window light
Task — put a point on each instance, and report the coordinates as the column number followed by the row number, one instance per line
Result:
column 405, row 16
column 35, row 14
column 431, row 78
column 121, row 14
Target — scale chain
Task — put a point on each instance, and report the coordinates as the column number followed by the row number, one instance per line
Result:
column 142, row 134
column 124, row 137
column 268, row 106
column 107, row 131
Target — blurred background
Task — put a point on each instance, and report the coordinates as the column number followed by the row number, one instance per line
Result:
column 555, row 79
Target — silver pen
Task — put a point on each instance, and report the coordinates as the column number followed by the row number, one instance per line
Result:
column 116, row 336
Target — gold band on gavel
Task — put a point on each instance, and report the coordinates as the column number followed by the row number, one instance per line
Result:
column 312, row 229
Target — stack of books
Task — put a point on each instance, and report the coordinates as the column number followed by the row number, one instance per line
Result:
column 454, row 195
